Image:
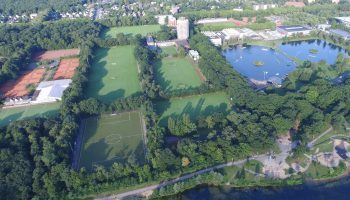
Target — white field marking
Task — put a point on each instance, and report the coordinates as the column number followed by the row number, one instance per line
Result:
column 143, row 136
column 106, row 160
column 82, row 143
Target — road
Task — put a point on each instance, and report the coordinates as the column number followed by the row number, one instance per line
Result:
column 170, row 182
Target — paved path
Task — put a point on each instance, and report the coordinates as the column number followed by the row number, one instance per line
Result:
column 181, row 178
column 312, row 143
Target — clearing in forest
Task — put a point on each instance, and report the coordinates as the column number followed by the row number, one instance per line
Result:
column 113, row 138
column 177, row 73
column 195, row 106
column 8, row 115
column 130, row 30
column 113, row 74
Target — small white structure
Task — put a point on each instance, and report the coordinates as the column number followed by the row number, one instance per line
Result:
column 323, row 27
column 194, row 54
column 50, row 91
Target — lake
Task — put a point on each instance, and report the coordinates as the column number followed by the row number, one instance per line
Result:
column 301, row 49
column 242, row 58
column 277, row 63
column 339, row 190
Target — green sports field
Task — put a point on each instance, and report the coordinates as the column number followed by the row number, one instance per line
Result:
column 176, row 73
column 13, row 114
column 132, row 30
column 193, row 105
column 170, row 51
column 112, row 138
column 113, row 74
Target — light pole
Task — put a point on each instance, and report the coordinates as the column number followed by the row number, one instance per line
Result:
column 265, row 74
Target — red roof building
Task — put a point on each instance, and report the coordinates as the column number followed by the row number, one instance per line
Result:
column 295, row 4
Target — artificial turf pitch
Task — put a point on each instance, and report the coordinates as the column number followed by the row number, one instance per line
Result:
column 112, row 138
column 130, row 30
column 194, row 106
column 176, row 73
column 113, row 74
column 9, row 115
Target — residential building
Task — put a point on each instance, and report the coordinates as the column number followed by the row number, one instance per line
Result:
column 264, row 6
column 182, row 28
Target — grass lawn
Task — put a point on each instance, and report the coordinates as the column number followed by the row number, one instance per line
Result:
column 170, row 51
column 130, row 30
column 252, row 166
column 112, row 138
column 13, row 114
column 316, row 171
column 113, row 74
column 193, row 105
column 176, row 73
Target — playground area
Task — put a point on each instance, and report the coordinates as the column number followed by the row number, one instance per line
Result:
column 113, row 138
column 66, row 68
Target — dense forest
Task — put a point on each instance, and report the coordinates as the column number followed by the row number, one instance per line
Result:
column 19, row 7
column 18, row 43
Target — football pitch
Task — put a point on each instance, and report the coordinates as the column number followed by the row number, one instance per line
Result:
column 113, row 74
column 130, row 30
column 112, row 138
column 194, row 106
column 9, row 115
column 176, row 73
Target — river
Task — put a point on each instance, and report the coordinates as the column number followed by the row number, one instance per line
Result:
column 339, row 190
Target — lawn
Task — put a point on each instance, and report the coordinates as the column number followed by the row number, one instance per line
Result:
column 13, row 114
column 130, row 30
column 112, row 138
column 169, row 51
column 317, row 171
column 176, row 73
column 113, row 74
column 196, row 105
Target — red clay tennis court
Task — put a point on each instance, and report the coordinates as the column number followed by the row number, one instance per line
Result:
column 18, row 88
column 50, row 55
column 66, row 68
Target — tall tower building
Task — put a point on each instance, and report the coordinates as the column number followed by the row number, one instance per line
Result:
column 182, row 28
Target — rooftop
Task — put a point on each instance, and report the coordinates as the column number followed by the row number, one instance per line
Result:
column 293, row 28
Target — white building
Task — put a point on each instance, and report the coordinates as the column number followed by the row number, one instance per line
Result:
column 231, row 33
column 343, row 20
column 50, row 91
column 292, row 30
column 183, row 28
column 212, row 20
column 214, row 37
column 263, row 6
